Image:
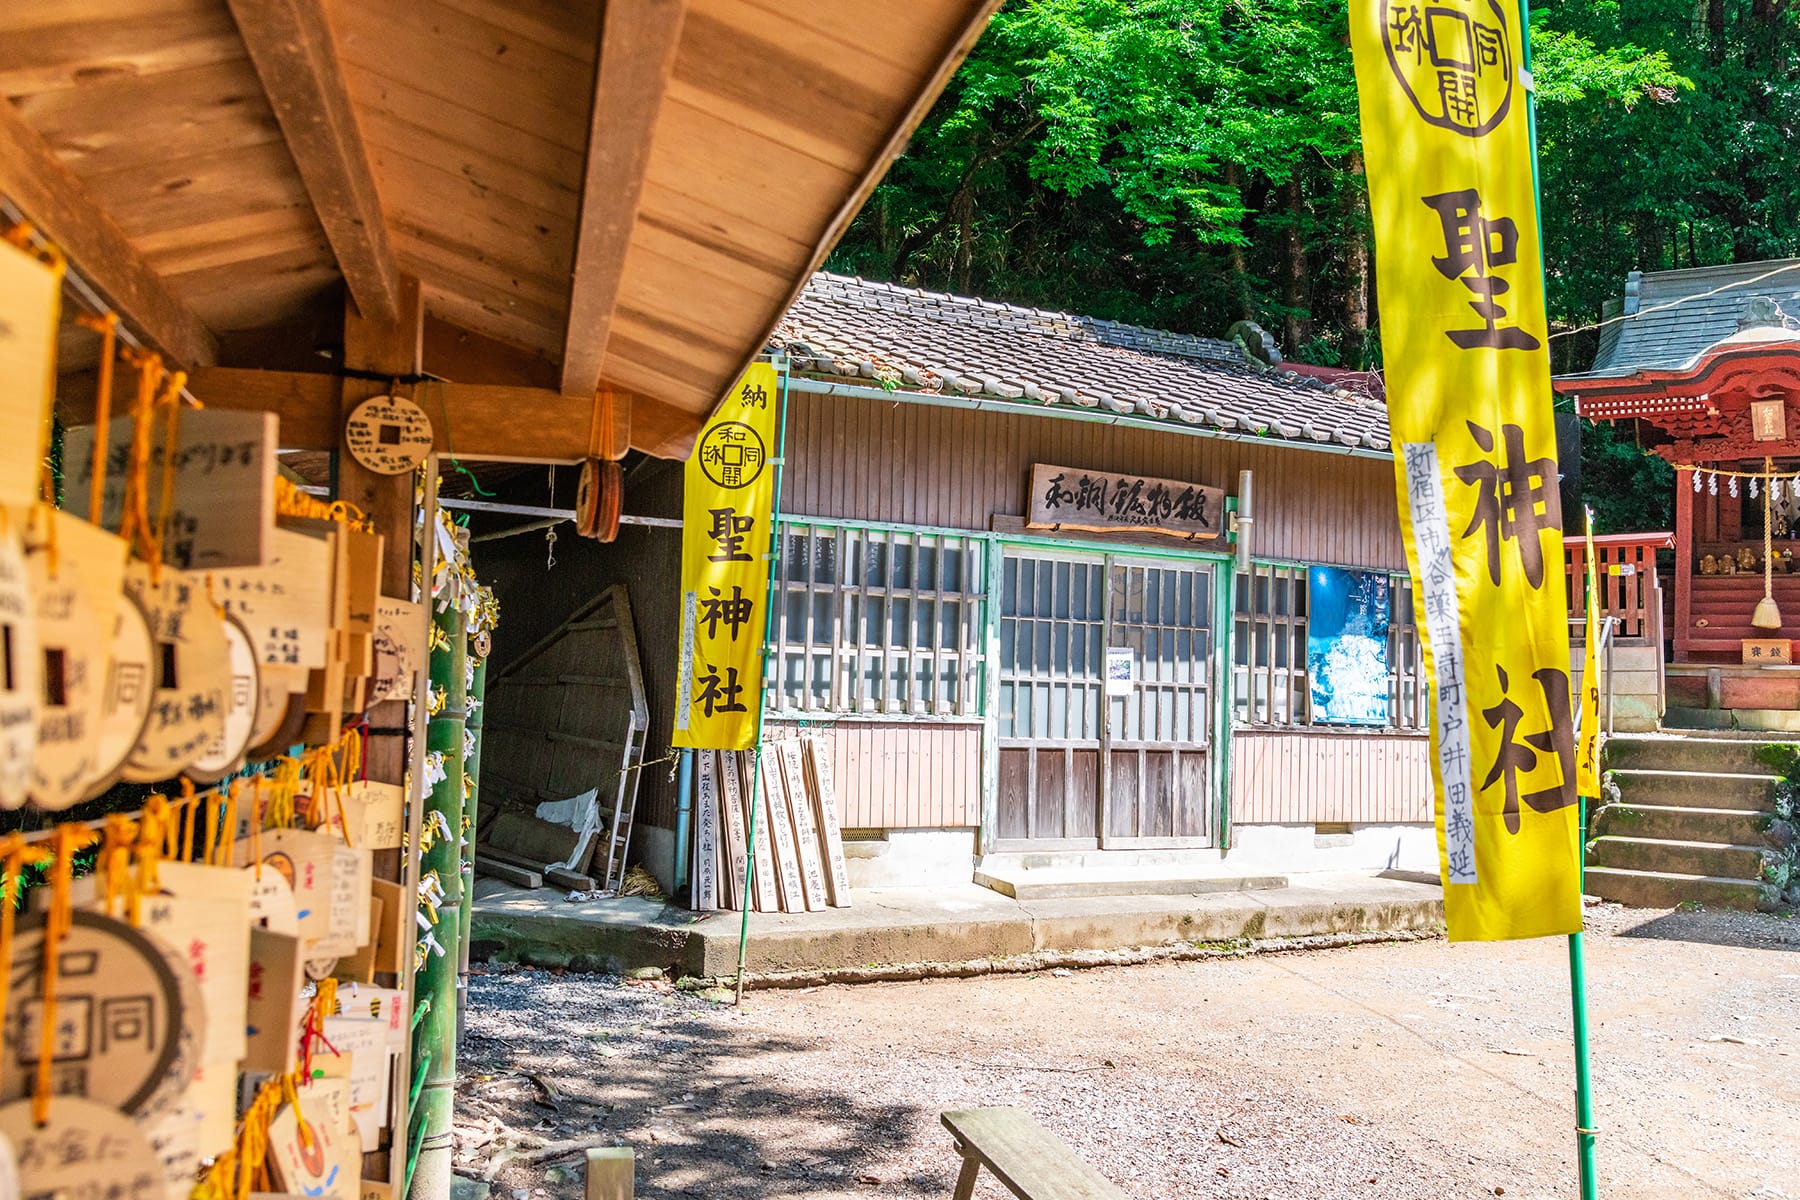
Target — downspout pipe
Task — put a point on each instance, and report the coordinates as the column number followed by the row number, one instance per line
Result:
column 684, row 807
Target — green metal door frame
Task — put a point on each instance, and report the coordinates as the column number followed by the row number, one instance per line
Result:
column 1224, row 593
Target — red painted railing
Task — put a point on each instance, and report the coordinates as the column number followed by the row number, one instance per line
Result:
column 1629, row 587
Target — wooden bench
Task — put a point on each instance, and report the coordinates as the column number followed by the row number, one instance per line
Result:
column 1026, row 1157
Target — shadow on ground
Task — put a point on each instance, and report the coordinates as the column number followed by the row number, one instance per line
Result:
column 563, row 1057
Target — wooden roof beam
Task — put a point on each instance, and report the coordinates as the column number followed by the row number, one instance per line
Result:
column 296, row 58
column 57, row 202
column 636, row 60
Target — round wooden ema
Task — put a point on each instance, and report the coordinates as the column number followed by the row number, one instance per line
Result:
column 125, row 694
column 130, row 1028
column 72, row 657
column 389, row 435
column 20, row 687
column 599, row 496
column 84, row 1149
column 240, row 712
column 287, row 731
column 193, row 674
column 320, row 968
column 274, row 687
column 482, row 643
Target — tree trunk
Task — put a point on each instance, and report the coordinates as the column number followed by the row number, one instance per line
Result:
column 1356, row 285
column 965, row 239
column 1297, row 326
column 1240, row 272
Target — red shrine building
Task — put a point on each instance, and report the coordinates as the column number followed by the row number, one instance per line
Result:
column 1705, row 364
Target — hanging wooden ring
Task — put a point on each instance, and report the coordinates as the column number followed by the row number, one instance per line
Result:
column 598, row 499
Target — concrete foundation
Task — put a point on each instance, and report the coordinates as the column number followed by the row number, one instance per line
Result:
column 911, row 858
column 1292, row 848
column 954, row 923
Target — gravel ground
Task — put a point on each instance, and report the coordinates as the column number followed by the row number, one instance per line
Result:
column 1414, row 1070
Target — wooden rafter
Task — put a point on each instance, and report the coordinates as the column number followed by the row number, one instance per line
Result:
column 635, row 63
column 56, row 201
column 979, row 14
column 296, row 58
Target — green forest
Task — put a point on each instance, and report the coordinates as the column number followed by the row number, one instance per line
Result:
column 1190, row 163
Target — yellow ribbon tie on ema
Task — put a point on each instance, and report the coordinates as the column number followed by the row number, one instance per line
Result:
column 1446, row 137
column 729, row 501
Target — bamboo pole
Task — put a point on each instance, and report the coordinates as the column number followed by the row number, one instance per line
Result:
column 477, row 697
column 428, row 1173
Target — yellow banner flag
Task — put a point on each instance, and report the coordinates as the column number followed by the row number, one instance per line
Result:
column 1587, row 744
column 728, row 504
column 1446, row 139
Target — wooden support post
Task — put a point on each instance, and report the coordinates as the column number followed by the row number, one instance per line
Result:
column 1684, row 562
column 389, row 347
column 609, row 1173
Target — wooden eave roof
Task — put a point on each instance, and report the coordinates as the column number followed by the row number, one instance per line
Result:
column 624, row 196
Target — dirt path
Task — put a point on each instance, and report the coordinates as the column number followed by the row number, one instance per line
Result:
column 1419, row 1070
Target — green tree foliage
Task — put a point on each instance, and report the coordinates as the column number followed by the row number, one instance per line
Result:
column 1189, row 163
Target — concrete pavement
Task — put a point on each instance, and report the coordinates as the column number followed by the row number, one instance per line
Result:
column 955, row 924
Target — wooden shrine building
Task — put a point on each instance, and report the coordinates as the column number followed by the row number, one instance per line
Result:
column 1705, row 365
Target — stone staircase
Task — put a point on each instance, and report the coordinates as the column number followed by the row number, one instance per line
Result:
column 1689, row 818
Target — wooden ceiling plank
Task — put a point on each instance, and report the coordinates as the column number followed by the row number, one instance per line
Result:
column 291, row 44
column 948, row 56
column 52, row 197
column 161, row 196
column 76, row 50
column 637, row 60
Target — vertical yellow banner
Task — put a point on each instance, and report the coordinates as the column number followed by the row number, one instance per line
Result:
column 728, row 503
column 1447, row 142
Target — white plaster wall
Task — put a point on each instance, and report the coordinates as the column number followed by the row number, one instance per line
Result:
column 1365, row 848
column 911, row 858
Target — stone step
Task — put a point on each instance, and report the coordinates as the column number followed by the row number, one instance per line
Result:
column 1695, row 789
column 1677, row 857
column 1768, row 720
column 1657, row 889
column 1736, row 755
column 1049, row 883
column 1721, row 826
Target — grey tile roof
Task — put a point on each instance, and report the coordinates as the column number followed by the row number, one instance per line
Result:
column 933, row 342
column 1708, row 304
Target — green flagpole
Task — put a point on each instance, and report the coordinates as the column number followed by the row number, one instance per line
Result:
column 762, row 680
column 1584, row 1095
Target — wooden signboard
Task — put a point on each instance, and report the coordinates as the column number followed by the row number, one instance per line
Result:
column 223, row 504
column 399, row 648
column 734, row 845
column 818, row 763
column 706, row 832
column 806, row 836
column 791, row 889
column 285, row 605
column 1102, row 501
column 30, row 307
column 273, row 1008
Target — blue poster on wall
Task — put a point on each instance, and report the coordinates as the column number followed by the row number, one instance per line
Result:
column 1347, row 646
